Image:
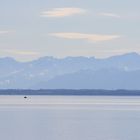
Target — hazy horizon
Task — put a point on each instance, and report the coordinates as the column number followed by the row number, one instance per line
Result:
column 64, row 57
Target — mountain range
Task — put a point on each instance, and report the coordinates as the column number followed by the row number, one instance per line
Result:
column 116, row 72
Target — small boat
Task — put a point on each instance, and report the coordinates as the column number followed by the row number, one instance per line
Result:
column 25, row 97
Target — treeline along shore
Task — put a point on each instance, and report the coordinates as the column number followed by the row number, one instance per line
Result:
column 71, row 92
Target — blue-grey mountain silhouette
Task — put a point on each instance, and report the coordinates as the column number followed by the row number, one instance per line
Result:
column 117, row 72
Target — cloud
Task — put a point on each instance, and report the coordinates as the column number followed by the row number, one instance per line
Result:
column 20, row 52
column 2, row 32
column 109, row 15
column 5, row 32
column 87, row 37
column 62, row 12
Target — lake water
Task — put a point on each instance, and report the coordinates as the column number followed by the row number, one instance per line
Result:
column 69, row 118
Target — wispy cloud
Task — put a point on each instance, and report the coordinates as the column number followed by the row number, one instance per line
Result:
column 20, row 52
column 113, row 15
column 87, row 37
column 62, row 12
column 2, row 32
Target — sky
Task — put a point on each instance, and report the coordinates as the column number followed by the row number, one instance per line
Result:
column 34, row 28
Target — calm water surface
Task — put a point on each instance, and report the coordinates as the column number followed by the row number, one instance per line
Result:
column 69, row 118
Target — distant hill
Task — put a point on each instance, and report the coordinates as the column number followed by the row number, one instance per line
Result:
column 117, row 72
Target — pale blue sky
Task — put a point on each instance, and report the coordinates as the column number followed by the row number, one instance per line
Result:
column 33, row 28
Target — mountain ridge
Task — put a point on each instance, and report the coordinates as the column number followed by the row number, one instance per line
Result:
column 23, row 75
column 52, row 57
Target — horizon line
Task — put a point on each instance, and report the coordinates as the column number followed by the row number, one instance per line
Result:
column 59, row 58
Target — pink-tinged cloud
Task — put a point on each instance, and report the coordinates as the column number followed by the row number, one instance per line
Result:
column 87, row 37
column 62, row 12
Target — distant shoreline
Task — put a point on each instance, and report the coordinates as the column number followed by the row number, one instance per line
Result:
column 71, row 92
